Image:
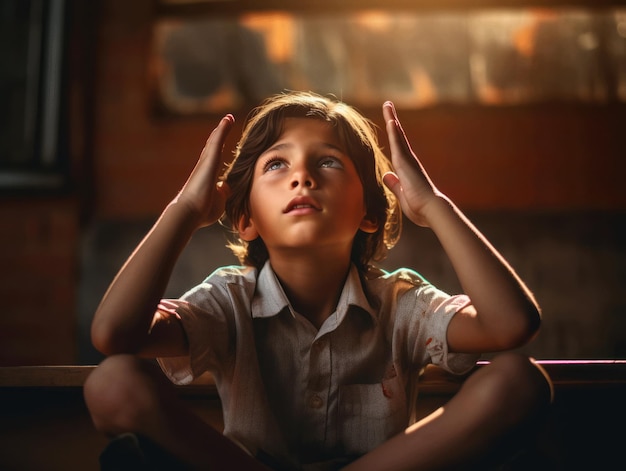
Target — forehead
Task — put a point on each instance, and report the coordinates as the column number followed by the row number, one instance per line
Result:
column 309, row 130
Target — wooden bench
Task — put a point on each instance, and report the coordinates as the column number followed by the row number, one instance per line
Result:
column 44, row 424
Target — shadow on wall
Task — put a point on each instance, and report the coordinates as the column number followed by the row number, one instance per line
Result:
column 575, row 263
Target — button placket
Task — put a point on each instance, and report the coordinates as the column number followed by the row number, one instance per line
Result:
column 319, row 374
column 319, row 365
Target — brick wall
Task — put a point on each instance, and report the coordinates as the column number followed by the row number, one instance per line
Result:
column 39, row 242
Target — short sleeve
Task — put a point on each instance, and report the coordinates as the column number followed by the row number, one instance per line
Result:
column 422, row 318
column 206, row 316
column 436, row 341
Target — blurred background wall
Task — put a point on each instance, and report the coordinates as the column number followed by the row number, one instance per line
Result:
column 519, row 115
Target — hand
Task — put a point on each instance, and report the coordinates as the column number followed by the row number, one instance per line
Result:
column 202, row 193
column 410, row 182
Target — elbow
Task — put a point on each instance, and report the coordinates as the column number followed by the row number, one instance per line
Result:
column 109, row 341
column 103, row 342
column 533, row 321
column 526, row 328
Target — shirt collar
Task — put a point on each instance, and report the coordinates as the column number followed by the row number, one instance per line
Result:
column 270, row 299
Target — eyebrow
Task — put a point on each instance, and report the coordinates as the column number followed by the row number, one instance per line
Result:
column 288, row 145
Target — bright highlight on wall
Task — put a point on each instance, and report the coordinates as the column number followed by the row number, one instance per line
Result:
column 489, row 57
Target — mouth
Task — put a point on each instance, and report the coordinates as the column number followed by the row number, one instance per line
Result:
column 302, row 203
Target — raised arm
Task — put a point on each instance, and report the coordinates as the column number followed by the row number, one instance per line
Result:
column 503, row 314
column 128, row 319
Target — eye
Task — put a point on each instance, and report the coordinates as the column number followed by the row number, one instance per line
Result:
column 330, row 162
column 273, row 163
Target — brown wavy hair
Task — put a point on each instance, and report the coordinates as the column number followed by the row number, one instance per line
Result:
column 356, row 133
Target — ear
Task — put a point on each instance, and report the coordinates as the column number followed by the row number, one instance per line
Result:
column 246, row 229
column 368, row 225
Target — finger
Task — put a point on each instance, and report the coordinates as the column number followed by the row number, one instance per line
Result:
column 397, row 138
column 388, row 111
column 208, row 166
column 392, row 182
column 211, row 158
column 215, row 142
column 224, row 189
column 397, row 144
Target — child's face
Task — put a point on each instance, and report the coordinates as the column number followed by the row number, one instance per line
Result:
column 306, row 192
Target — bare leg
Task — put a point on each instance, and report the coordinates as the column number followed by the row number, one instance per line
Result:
column 497, row 407
column 127, row 394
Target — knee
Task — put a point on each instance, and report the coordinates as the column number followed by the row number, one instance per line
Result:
column 519, row 385
column 120, row 393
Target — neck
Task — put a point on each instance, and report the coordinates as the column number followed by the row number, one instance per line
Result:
column 312, row 282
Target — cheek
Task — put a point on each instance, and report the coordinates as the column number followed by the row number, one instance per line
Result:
column 357, row 195
column 258, row 200
column 252, row 198
column 353, row 205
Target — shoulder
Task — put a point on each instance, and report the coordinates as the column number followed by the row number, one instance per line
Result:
column 232, row 274
column 390, row 292
column 222, row 281
column 398, row 281
column 404, row 290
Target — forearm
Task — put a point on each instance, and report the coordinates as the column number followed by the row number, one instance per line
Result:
column 504, row 304
column 123, row 318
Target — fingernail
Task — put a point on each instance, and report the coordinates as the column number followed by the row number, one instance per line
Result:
column 393, row 109
column 395, row 113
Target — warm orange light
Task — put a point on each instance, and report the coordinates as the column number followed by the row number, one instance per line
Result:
column 374, row 20
column 278, row 32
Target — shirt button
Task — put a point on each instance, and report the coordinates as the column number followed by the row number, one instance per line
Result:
column 316, row 402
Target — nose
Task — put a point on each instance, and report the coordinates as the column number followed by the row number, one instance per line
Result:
column 302, row 177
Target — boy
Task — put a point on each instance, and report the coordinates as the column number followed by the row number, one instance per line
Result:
column 315, row 352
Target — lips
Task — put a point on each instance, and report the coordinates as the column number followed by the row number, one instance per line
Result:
column 302, row 203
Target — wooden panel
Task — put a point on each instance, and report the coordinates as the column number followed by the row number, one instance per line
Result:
column 434, row 380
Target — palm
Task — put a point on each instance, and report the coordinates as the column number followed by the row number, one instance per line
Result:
column 201, row 193
column 410, row 184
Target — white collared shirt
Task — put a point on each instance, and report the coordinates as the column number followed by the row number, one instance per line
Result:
column 303, row 395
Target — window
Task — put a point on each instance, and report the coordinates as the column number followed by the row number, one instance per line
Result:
column 214, row 63
column 31, row 43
